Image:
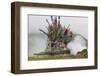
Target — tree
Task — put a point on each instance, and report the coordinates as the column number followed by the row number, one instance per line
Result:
column 56, row 33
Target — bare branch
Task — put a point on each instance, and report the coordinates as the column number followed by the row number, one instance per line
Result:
column 48, row 22
column 43, row 32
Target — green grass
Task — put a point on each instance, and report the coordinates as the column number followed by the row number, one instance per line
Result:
column 67, row 57
column 31, row 58
column 54, row 52
column 55, row 55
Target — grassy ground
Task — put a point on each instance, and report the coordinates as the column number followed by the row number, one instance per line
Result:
column 67, row 57
column 55, row 55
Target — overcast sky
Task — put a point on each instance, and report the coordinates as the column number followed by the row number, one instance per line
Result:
column 78, row 25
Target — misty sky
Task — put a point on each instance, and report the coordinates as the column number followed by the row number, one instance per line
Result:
column 77, row 24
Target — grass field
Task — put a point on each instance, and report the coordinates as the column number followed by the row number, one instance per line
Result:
column 67, row 57
column 55, row 55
